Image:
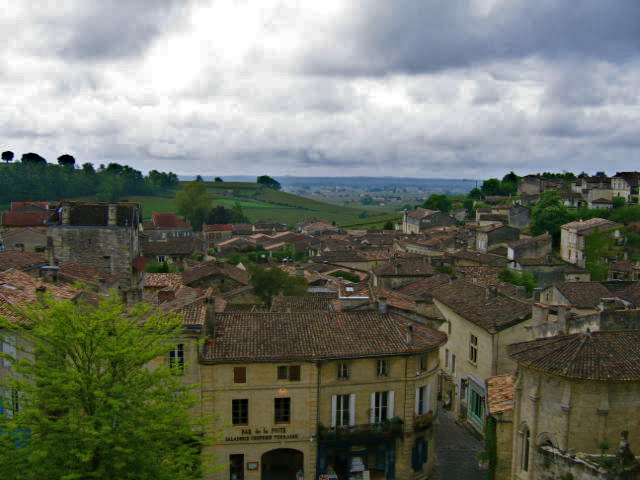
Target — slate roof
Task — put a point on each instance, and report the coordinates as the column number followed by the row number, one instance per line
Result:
column 215, row 267
column 583, row 294
column 500, row 393
column 168, row 220
column 267, row 337
column 493, row 312
column 405, row 267
column 20, row 260
column 308, row 303
column 601, row 356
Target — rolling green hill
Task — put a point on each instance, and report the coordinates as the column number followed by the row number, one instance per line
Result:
column 259, row 203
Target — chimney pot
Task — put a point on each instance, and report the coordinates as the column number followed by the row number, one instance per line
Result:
column 382, row 305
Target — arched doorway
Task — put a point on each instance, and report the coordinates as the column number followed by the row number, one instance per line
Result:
column 281, row 464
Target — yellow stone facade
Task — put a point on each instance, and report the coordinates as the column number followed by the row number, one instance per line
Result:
column 312, row 404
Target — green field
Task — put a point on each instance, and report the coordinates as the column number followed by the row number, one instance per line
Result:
column 260, row 203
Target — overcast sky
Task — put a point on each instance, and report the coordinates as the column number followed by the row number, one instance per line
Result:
column 420, row 88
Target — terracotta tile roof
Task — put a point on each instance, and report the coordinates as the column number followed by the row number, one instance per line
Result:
column 491, row 227
column 525, row 242
column 396, row 299
column 601, row 356
column 405, row 267
column 217, row 227
column 17, row 288
column 162, row 280
column 583, row 294
column 308, row 303
column 354, row 290
column 547, row 260
column 632, row 293
column 424, row 286
column 217, row 268
column 24, row 219
column 168, row 220
column 18, row 207
column 492, row 311
column 500, row 393
column 421, row 213
column 265, row 337
column 73, row 271
column 591, row 223
column 20, row 260
column 482, row 258
column 170, row 246
column 624, row 266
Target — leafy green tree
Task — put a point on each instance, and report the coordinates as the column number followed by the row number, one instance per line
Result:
column 491, row 186
column 7, row 156
column 438, row 201
column 475, row 194
column 388, row 225
column 218, row 180
column 367, row 200
column 269, row 282
column 548, row 215
column 626, row 214
column 195, row 203
column 32, row 158
column 525, row 279
column 267, row 181
column 95, row 402
column 66, row 160
column 619, row 202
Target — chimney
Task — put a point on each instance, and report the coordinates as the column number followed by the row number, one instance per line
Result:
column 166, row 295
column 113, row 215
column 65, row 213
column 382, row 305
column 409, row 334
column 562, row 318
column 51, row 259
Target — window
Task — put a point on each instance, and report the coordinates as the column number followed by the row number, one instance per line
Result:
column 342, row 410
column 525, row 440
column 161, row 258
column 446, row 358
column 282, row 410
column 381, row 406
column 423, row 395
column 476, row 401
column 176, row 359
column 473, row 348
column 289, row 372
column 236, row 466
column 453, row 363
column 383, row 368
column 12, row 402
column 343, row 371
column 240, row 411
column 239, row 374
column 423, row 363
column 8, row 348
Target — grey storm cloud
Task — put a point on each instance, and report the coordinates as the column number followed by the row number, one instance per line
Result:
column 417, row 88
column 424, row 36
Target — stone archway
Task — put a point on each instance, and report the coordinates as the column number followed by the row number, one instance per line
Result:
column 281, row 464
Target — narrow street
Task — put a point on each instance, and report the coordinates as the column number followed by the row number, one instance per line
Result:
column 457, row 450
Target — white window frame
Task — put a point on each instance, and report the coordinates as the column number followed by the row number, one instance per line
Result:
column 423, row 399
column 382, row 406
column 9, row 343
column 343, row 371
column 343, row 410
column 473, row 348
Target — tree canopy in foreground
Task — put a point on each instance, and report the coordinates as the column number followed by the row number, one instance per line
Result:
column 88, row 405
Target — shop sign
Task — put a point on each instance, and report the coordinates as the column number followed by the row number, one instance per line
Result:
column 264, row 433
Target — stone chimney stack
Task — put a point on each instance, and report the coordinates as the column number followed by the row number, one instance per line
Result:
column 382, row 305
column 562, row 318
column 113, row 215
column 409, row 334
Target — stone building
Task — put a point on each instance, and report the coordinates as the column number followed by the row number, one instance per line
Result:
column 220, row 276
column 319, row 392
column 480, row 323
column 414, row 221
column 573, row 237
column 574, row 393
column 100, row 235
column 495, row 234
column 398, row 272
column 166, row 225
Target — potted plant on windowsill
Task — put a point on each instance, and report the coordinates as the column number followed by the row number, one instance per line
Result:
column 423, row 422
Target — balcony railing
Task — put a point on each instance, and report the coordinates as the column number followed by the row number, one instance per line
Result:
column 391, row 427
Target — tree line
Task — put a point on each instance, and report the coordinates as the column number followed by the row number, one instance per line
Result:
column 38, row 180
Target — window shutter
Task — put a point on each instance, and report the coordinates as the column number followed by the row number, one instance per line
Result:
column 391, row 408
column 424, row 451
column 294, row 373
column 334, row 407
column 372, row 417
column 427, row 399
column 417, row 402
column 239, row 375
column 352, row 409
